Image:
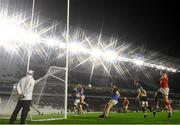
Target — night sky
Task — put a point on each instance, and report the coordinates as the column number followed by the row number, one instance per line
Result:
column 149, row 23
column 153, row 24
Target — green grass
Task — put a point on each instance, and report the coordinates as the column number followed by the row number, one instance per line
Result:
column 114, row 118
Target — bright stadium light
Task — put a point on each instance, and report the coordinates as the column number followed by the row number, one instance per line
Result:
column 11, row 32
column 51, row 42
column 161, row 67
column 10, row 47
column 171, row 70
column 138, row 62
column 121, row 58
column 75, row 47
column 110, row 55
column 31, row 38
column 174, row 70
column 62, row 45
column 55, row 43
column 96, row 53
column 15, row 33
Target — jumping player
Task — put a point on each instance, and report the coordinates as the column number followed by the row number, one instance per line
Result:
column 125, row 104
column 80, row 91
column 76, row 102
column 142, row 96
column 164, row 91
column 112, row 102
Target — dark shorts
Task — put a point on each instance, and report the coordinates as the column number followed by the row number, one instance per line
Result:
column 143, row 98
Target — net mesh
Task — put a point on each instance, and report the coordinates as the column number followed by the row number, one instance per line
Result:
column 48, row 97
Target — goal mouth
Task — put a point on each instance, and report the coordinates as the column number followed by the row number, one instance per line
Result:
column 48, row 98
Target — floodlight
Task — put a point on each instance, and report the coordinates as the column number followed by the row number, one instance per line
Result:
column 151, row 65
column 171, row 70
column 76, row 47
column 174, row 70
column 8, row 31
column 161, row 67
column 51, row 42
column 31, row 38
column 110, row 55
column 62, row 45
column 121, row 58
column 96, row 53
column 138, row 62
column 10, row 47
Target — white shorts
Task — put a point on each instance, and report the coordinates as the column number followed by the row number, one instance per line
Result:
column 164, row 91
column 126, row 107
column 114, row 102
column 144, row 104
column 76, row 102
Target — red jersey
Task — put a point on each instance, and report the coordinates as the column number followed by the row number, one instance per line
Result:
column 125, row 102
column 164, row 83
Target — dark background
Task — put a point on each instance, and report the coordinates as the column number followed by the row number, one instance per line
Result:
column 153, row 24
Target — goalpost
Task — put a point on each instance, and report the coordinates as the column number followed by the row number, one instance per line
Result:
column 55, row 75
column 62, row 76
column 49, row 97
column 46, row 104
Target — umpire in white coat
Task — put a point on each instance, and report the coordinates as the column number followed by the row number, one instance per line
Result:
column 24, row 89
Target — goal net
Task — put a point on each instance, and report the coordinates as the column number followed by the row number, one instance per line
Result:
column 48, row 97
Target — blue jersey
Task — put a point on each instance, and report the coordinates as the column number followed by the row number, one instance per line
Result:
column 115, row 97
column 115, row 94
column 80, row 91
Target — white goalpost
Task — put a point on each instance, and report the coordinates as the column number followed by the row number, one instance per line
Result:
column 59, row 77
column 50, row 93
column 65, row 79
column 49, row 97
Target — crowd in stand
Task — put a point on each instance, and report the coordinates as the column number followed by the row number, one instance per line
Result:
column 96, row 97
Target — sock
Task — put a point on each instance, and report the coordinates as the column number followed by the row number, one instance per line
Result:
column 169, row 107
column 157, row 103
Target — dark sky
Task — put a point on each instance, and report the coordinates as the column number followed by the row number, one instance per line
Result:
column 154, row 24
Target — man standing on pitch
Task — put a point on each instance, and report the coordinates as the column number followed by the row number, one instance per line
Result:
column 24, row 89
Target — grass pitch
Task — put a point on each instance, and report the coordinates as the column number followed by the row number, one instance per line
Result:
column 114, row 118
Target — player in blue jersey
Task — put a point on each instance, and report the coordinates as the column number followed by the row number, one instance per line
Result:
column 76, row 102
column 80, row 91
column 114, row 100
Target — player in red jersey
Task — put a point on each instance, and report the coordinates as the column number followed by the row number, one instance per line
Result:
column 125, row 104
column 164, row 91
